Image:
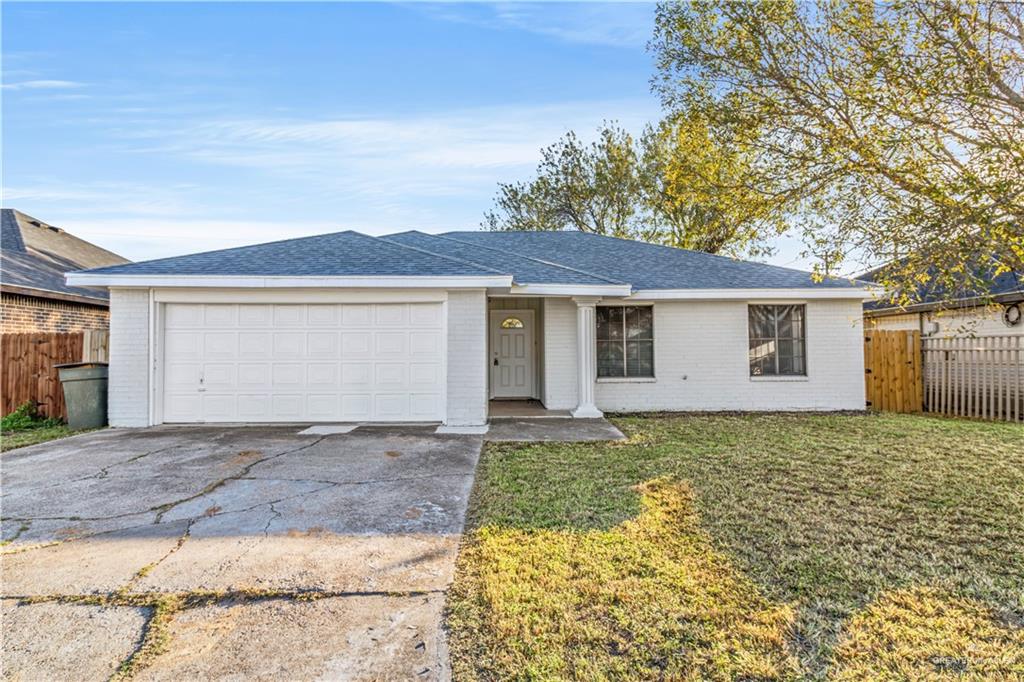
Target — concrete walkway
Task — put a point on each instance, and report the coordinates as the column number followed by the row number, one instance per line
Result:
column 551, row 429
column 262, row 553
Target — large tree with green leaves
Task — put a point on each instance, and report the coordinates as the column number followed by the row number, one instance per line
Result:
column 891, row 131
column 642, row 188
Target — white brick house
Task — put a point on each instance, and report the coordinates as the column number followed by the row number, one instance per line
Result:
column 420, row 328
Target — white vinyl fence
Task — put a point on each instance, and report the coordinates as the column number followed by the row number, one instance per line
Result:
column 979, row 377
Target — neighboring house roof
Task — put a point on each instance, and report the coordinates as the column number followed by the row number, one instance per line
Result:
column 34, row 257
column 541, row 262
column 1006, row 286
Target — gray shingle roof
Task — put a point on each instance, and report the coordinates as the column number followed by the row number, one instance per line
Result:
column 933, row 293
column 340, row 254
column 646, row 266
column 35, row 255
column 529, row 257
column 522, row 269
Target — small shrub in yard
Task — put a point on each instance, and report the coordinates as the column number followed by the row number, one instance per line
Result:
column 25, row 426
column 26, row 416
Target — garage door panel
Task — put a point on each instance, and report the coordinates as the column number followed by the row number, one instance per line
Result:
column 356, row 316
column 220, row 316
column 391, row 406
column 324, row 407
column 356, row 407
column 253, row 376
column 220, row 407
column 356, row 344
column 289, row 345
column 424, row 315
column 390, row 376
column 287, row 407
column 424, row 374
column 219, row 376
column 184, row 316
column 322, row 316
column 392, row 344
column 254, row 407
column 291, row 362
column 183, row 408
column 322, row 344
column 356, row 375
column 424, row 406
column 184, row 345
column 218, row 345
column 392, row 315
column 289, row 315
column 254, row 345
column 321, row 374
column 259, row 316
column 288, row 376
column 182, row 374
column 423, row 343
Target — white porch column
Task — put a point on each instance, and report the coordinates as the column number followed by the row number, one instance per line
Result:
column 586, row 356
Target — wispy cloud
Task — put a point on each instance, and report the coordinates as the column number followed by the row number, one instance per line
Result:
column 611, row 24
column 43, row 85
column 473, row 140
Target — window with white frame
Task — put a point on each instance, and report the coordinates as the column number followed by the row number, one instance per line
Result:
column 777, row 344
column 625, row 341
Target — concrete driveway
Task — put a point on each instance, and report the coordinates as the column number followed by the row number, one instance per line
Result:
column 241, row 552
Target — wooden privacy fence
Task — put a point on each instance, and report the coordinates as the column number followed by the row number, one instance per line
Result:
column 892, row 371
column 981, row 377
column 27, row 360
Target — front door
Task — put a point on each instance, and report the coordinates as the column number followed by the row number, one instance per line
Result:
column 511, row 354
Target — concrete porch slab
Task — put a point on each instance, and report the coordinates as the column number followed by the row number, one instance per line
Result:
column 551, row 429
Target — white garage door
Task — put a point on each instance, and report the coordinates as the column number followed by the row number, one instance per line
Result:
column 337, row 362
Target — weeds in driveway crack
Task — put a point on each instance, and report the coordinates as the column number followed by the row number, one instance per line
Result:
column 164, row 606
column 25, row 523
column 148, row 568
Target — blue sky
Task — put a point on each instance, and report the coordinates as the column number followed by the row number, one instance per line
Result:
column 160, row 129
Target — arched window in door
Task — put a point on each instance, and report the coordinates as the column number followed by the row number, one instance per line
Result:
column 511, row 323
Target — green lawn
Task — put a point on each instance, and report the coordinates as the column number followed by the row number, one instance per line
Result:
column 22, row 437
column 748, row 547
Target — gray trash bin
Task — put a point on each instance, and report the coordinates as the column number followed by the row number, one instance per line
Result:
column 85, row 393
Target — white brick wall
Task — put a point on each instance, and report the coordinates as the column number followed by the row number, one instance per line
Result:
column 467, row 358
column 707, row 343
column 965, row 322
column 560, row 387
column 128, row 397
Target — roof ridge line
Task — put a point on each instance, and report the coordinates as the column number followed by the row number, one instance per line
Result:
column 385, row 239
column 531, row 258
column 230, row 248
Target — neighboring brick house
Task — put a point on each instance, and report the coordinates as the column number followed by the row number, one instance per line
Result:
column 997, row 310
column 33, row 294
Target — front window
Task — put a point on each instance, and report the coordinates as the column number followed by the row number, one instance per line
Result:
column 777, row 345
column 625, row 341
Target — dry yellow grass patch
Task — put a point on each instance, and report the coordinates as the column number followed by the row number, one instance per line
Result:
column 921, row 634
column 649, row 598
